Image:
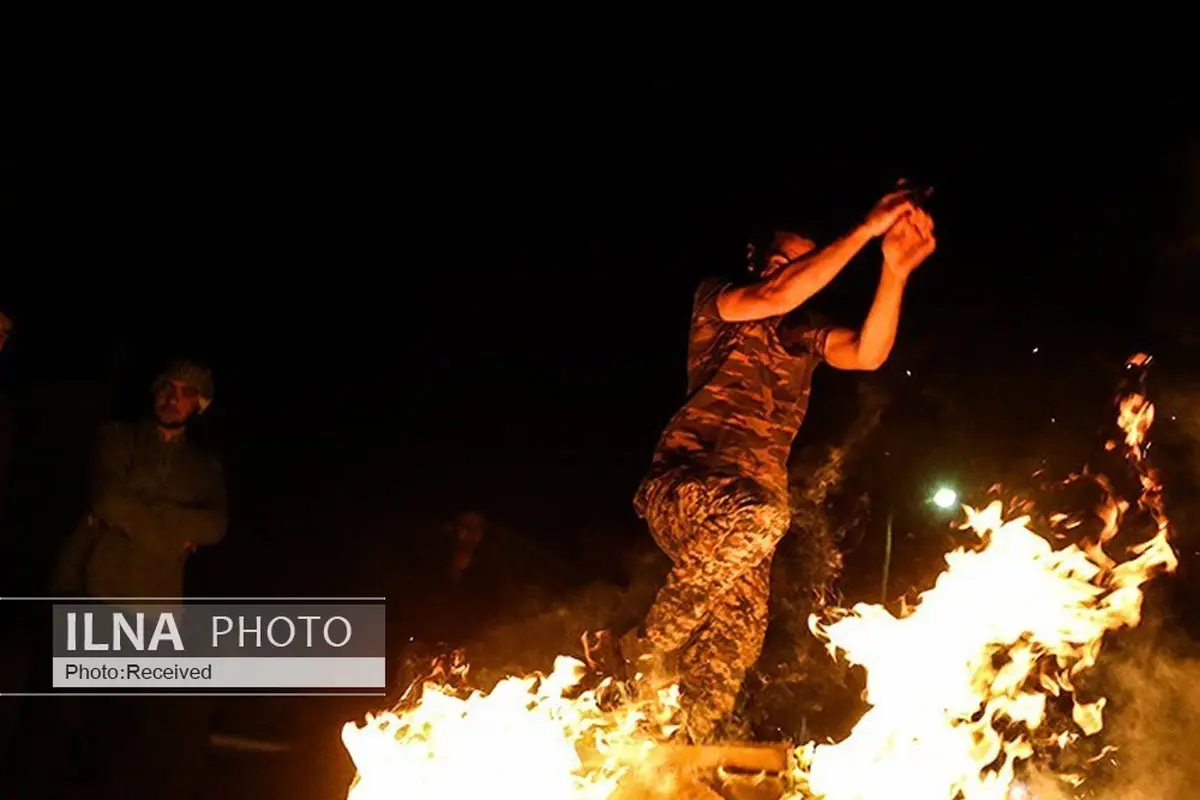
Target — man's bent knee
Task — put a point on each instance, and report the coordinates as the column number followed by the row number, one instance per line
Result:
column 674, row 505
column 744, row 525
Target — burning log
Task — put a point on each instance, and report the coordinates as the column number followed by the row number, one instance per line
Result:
column 747, row 758
column 732, row 771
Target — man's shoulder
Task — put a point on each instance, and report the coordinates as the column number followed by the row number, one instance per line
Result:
column 704, row 299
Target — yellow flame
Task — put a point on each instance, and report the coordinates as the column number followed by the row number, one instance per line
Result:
column 957, row 682
column 537, row 738
column 1004, row 626
column 947, row 681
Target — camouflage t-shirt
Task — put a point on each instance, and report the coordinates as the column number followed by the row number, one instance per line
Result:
column 748, row 389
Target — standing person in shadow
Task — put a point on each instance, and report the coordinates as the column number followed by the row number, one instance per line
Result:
column 154, row 498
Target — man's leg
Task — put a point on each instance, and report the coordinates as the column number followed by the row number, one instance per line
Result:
column 721, row 530
column 714, row 664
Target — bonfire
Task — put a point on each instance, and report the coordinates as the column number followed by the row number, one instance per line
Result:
column 957, row 683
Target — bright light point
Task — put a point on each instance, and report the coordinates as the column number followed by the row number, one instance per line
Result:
column 1036, row 349
column 945, row 498
column 908, row 372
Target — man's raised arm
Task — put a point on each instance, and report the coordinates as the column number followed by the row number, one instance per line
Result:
column 788, row 286
column 908, row 244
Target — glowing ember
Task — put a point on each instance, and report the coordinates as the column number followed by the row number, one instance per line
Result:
column 957, row 684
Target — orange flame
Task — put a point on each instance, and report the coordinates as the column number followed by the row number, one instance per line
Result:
column 538, row 738
column 958, row 683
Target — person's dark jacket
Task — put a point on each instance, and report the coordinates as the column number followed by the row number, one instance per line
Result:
column 152, row 503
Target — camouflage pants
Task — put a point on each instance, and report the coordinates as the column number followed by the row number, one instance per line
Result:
column 720, row 533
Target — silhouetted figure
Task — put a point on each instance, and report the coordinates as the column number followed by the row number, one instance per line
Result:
column 154, row 498
column 488, row 571
column 467, row 532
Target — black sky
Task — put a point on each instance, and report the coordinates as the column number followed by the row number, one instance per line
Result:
column 414, row 312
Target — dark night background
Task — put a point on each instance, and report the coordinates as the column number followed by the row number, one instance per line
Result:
column 405, row 323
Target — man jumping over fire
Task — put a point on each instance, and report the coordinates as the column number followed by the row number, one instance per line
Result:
column 716, row 495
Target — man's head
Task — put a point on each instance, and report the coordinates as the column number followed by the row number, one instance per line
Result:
column 181, row 392
column 775, row 250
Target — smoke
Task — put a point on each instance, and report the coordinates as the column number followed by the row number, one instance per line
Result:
column 1147, row 749
column 1042, row 786
column 797, row 691
column 1151, row 674
column 531, row 634
column 1153, row 686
